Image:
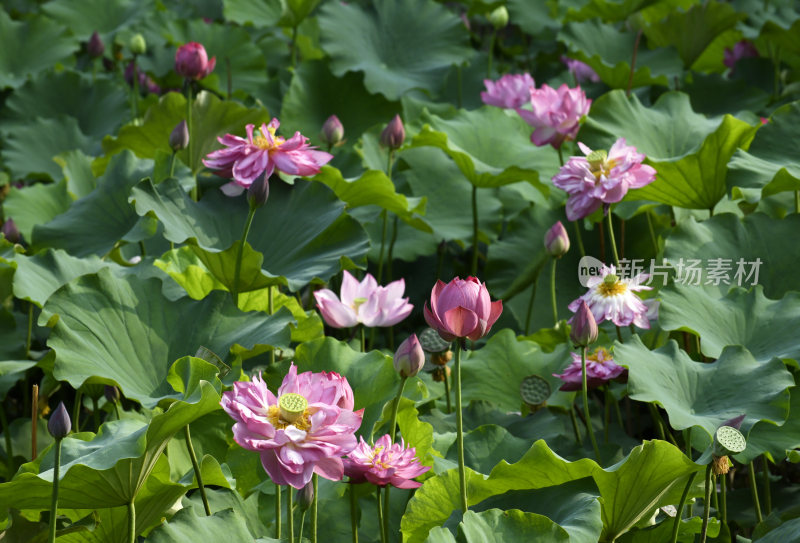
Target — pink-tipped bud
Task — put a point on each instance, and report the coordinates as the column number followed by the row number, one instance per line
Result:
column 95, row 47
column 305, row 496
column 394, row 134
column 258, row 192
column 192, row 62
column 556, row 240
column 584, row 326
column 179, row 138
column 332, row 130
column 10, row 231
column 59, row 424
column 410, row 357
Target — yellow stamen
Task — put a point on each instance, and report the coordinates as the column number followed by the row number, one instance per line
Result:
column 611, row 286
column 595, row 356
column 262, row 143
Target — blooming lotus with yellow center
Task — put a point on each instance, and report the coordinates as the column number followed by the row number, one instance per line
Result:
column 384, row 464
column 614, row 299
column 600, row 369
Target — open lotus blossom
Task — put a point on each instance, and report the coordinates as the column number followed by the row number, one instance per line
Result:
column 555, row 114
column 510, row 91
column 305, row 429
column 192, row 62
column 580, row 70
column 611, row 298
column 384, row 464
column 366, row 302
column 245, row 159
column 462, row 308
column 601, row 177
column 600, row 369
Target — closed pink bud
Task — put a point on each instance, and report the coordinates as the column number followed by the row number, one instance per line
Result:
column 584, row 326
column 191, row 61
column 410, row 357
column 95, row 47
column 179, row 138
column 59, row 424
column 394, row 134
column 10, row 231
column 332, row 130
column 556, row 240
column 462, row 308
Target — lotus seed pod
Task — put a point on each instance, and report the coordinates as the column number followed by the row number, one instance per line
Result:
column 534, row 390
column 728, row 440
column 432, row 342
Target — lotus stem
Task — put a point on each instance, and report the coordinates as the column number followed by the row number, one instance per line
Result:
column 474, row 266
column 271, row 310
column 290, row 512
column 396, row 408
column 447, row 390
column 131, row 522
column 7, row 436
column 462, row 474
column 54, row 501
column 278, row 492
column 754, row 490
column 491, row 53
column 135, row 91
column 172, row 164
column 385, row 526
column 613, row 241
column 607, row 413
column 238, row 269
column 353, row 513
column 633, row 63
column 574, row 419
column 530, row 308
column 29, row 337
column 652, row 232
column 302, row 521
column 679, row 513
column 724, row 498
column 383, row 244
column 34, row 419
column 314, row 509
column 379, row 509
column 189, row 126
column 553, row 291
column 189, row 447
column 706, row 505
column 579, row 238
column 586, row 405
column 767, row 493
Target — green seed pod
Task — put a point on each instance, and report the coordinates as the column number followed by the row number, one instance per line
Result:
column 432, row 342
column 534, row 390
column 728, row 441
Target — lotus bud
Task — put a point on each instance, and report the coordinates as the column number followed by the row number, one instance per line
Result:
column 410, row 357
column 556, row 240
column 179, row 138
column 584, row 326
column 59, row 424
column 95, row 47
column 112, row 394
column 192, row 62
column 10, row 231
column 499, row 17
column 394, row 134
column 332, row 131
column 305, row 497
column 137, row 45
column 258, row 192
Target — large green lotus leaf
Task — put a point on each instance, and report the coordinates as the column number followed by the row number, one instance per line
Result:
column 692, row 31
column 608, row 52
column 374, row 188
column 490, row 147
column 688, row 151
column 687, row 531
column 771, row 164
column 260, row 13
column 96, row 222
column 83, row 17
column 309, row 324
column 649, row 477
column 315, row 94
column 706, row 394
column 45, row 44
column 36, row 204
column 99, row 106
column 761, row 243
column 77, row 168
column 619, row 10
column 774, row 441
column 533, row 18
column 136, row 332
column 187, row 526
column 211, row 118
column 116, row 462
column 494, row 373
column 301, row 233
column 399, row 44
column 487, row 445
column 31, row 147
column 784, row 532
column 765, row 327
column 499, row 526
column 234, row 49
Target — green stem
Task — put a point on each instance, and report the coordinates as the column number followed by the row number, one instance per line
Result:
column 379, row 509
column 314, row 504
column 238, row 269
column 714, row 495
column 7, row 436
column 363, row 341
column 797, row 201
column 724, row 498
column 135, row 91
column 652, row 231
column 396, row 407
column 607, row 414
column 302, row 521
column 353, row 513
column 754, row 491
column 462, row 474
column 633, row 63
column 172, row 164
column 613, row 241
column 190, row 447
column 95, row 414
column 290, row 512
column 271, row 310
column 657, row 421
column 447, row 390
column 131, row 522
column 579, row 238
column 529, row 313
column 385, row 526
column 575, row 428
column 294, row 47
column 278, row 492
column 383, row 245
column 116, row 410
column 459, row 91
column 586, row 405
column 767, row 493
column 679, row 513
column 190, row 144
column 29, row 337
column 474, row 266
column 491, row 53
column 706, row 505
column 553, row 291
column 54, row 502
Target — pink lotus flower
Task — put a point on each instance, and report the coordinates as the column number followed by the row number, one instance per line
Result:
column 601, row 177
column 246, row 159
column 742, row 49
column 555, row 114
column 305, row 429
column 409, row 357
column 600, row 369
column 510, row 91
column 462, row 308
column 614, row 299
column 556, row 240
column 384, row 464
column 366, row 302
column 580, row 70
column 191, row 61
